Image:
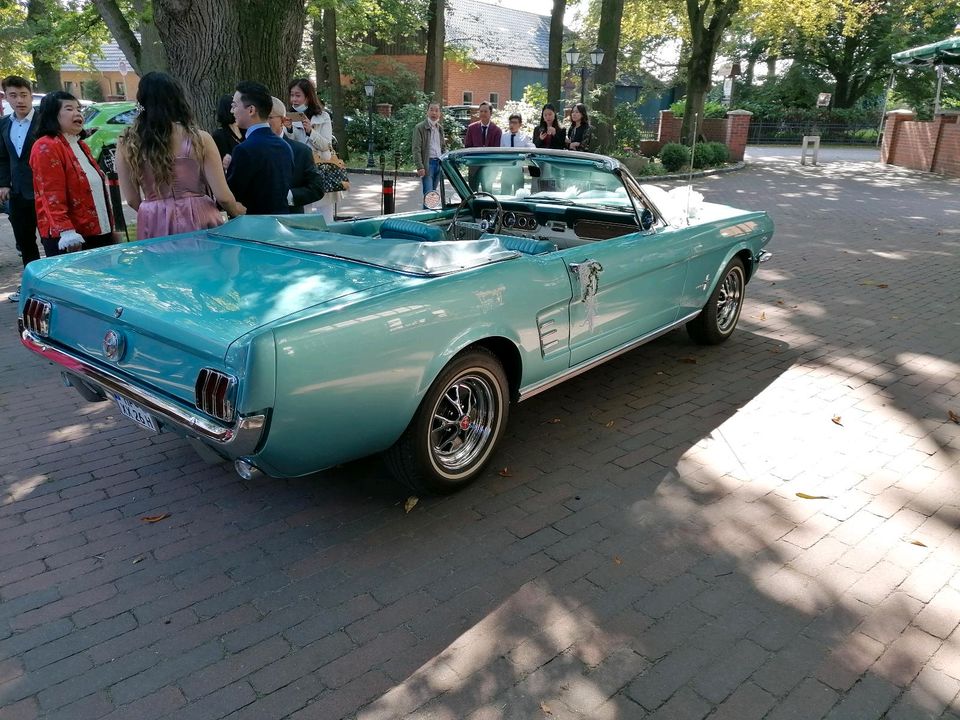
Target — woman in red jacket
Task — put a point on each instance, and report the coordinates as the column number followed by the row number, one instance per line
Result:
column 73, row 207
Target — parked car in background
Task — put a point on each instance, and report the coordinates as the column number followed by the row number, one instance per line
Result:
column 288, row 345
column 463, row 114
column 104, row 122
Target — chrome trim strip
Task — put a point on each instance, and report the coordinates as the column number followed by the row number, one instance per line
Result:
column 600, row 359
column 233, row 441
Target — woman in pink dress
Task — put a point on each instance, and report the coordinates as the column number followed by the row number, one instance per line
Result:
column 168, row 167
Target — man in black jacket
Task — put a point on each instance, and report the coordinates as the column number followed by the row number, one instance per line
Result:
column 260, row 173
column 17, row 132
column 307, row 185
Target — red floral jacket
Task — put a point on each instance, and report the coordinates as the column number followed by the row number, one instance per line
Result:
column 63, row 196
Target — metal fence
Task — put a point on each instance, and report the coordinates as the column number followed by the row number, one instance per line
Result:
column 830, row 133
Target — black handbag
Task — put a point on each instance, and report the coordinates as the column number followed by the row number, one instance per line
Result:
column 334, row 178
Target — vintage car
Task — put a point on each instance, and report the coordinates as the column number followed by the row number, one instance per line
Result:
column 288, row 346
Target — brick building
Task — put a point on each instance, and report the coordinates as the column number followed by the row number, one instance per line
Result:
column 507, row 48
column 105, row 73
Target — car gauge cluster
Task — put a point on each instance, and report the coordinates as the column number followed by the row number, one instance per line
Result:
column 513, row 220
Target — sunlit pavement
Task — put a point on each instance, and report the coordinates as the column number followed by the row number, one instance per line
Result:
column 766, row 529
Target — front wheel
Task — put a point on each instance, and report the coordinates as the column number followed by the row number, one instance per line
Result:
column 456, row 428
column 719, row 316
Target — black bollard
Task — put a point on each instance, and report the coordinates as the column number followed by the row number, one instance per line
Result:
column 389, row 199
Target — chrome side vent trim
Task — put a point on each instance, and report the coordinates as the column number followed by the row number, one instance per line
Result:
column 215, row 393
column 36, row 316
column 549, row 335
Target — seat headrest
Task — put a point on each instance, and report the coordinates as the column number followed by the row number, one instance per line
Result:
column 403, row 229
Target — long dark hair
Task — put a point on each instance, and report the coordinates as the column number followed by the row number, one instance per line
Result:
column 310, row 92
column 543, row 123
column 584, row 117
column 162, row 104
column 225, row 116
column 48, row 114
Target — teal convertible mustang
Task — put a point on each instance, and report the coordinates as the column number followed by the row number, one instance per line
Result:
column 288, row 346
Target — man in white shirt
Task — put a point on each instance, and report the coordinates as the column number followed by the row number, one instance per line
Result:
column 514, row 137
column 511, row 179
column 17, row 133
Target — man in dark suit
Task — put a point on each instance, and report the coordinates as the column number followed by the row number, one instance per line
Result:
column 261, row 167
column 482, row 133
column 17, row 132
column 307, row 184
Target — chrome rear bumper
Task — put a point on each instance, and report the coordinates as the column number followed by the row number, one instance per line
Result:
column 232, row 441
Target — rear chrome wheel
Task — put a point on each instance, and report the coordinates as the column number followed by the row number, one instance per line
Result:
column 456, row 428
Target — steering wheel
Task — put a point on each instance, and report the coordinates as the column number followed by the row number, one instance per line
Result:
column 497, row 218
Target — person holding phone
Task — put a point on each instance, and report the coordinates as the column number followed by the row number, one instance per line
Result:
column 310, row 123
column 549, row 134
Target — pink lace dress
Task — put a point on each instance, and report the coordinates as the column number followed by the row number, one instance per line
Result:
column 181, row 207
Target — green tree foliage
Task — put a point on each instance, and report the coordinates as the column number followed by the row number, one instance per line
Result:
column 38, row 36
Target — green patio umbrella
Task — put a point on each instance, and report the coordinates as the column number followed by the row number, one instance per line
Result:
column 945, row 52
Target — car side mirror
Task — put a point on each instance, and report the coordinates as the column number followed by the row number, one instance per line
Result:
column 646, row 219
column 432, row 200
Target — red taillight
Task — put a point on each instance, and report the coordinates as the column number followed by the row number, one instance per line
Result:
column 214, row 393
column 36, row 316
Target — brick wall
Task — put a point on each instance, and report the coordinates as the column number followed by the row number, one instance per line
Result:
column 481, row 79
column 732, row 130
column 927, row 146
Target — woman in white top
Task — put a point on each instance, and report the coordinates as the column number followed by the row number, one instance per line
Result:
column 310, row 123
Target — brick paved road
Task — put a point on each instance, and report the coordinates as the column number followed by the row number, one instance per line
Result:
column 637, row 550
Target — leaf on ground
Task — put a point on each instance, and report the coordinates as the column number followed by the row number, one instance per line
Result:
column 411, row 503
column 779, row 302
column 805, row 496
column 155, row 518
column 775, row 350
column 552, row 421
column 836, row 420
column 883, row 285
column 689, row 360
column 763, row 316
column 545, row 708
column 918, row 543
column 609, row 424
column 868, row 282
column 138, row 560
column 659, row 372
column 505, row 473
column 953, row 417
column 617, row 560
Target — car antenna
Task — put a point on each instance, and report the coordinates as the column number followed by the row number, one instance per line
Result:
column 693, row 152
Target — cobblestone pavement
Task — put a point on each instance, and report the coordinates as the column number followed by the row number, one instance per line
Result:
column 766, row 529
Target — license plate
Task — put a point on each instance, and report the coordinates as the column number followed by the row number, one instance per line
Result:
column 136, row 413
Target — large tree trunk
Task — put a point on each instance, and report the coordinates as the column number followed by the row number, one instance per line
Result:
column 333, row 74
column 608, row 38
column 320, row 67
column 39, row 18
column 213, row 44
column 707, row 25
column 145, row 54
column 555, row 53
column 152, row 54
column 436, row 37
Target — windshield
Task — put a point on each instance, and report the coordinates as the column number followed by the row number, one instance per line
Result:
column 546, row 178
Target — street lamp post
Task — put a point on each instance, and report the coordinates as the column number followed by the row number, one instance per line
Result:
column 368, row 88
column 573, row 58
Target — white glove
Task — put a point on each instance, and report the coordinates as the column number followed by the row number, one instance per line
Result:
column 70, row 240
